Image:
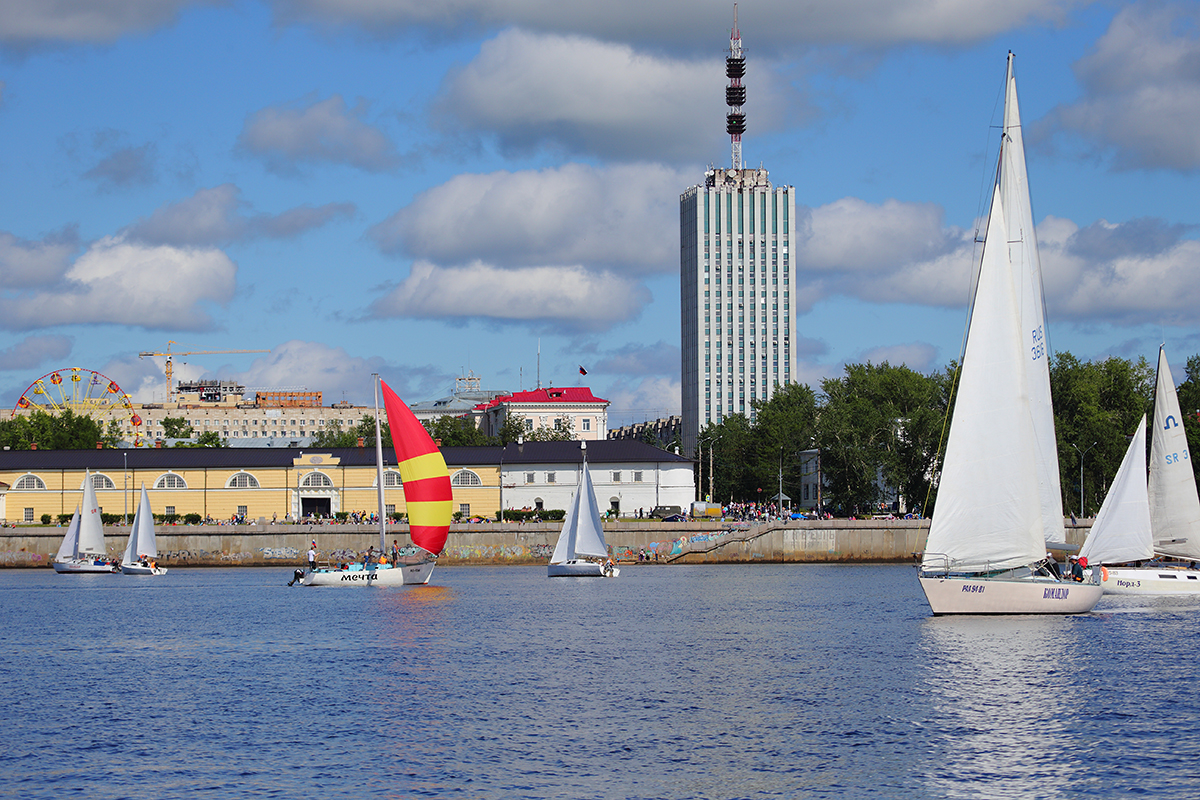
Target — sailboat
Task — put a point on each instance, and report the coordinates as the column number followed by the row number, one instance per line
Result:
column 82, row 549
column 141, row 553
column 582, row 536
column 1162, row 519
column 427, row 493
column 999, row 500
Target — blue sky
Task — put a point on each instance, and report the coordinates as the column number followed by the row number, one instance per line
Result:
column 422, row 189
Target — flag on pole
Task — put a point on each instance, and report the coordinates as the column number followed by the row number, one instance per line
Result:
column 582, row 371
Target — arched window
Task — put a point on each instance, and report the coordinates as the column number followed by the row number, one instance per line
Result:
column 391, row 479
column 317, row 479
column 242, row 480
column 465, row 477
column 102, row 482
column 29, row 483
column 170, row 481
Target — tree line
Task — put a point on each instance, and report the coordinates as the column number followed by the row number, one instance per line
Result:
column 881, row 429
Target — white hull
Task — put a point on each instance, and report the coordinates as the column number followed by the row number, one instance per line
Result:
column 402, row 575
column 138, row 569
column 981, row 596
column 1149, row 581
column 581, row 569
column 82, row 566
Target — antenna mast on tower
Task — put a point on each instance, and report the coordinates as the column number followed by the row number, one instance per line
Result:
column 735, row 93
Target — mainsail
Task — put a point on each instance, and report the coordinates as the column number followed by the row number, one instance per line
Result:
column 1174, row 506
column 988, row 514
column 1022, row 246
column 91, row 527
column 423, row 472
column 142, row 541
column 1121, row 531
column 582, row 534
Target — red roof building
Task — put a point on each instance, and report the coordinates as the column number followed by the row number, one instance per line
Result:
column 573, row 407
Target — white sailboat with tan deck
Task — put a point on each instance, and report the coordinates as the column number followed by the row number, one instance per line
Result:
column 83, row 549
column 1161, row 517
column 580, row 551
column 427, row 493
column 999, row 500
column 141, row 553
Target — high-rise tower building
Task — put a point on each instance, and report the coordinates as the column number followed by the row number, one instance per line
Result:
column 736, row 280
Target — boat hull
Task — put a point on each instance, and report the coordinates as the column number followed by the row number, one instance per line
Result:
column 953, row 595
column 581, row 569
column 82, row 567
column 402, row 575
column 138, row 569
column 1149, row 581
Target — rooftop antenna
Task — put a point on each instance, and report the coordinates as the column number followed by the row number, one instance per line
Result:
column 735, row 93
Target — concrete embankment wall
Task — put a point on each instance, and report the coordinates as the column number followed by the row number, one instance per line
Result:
column 837, row 540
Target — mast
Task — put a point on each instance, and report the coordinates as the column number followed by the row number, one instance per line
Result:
column 379, row 467
column 735, row 93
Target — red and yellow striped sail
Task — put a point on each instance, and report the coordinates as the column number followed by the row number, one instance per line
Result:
column 423, row 471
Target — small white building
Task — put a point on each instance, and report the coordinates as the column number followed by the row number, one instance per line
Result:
column 628, row 476
column 574, row 407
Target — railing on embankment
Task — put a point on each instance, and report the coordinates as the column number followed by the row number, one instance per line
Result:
column 836, row 540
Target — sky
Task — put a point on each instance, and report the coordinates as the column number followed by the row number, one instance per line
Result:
column 427, row 190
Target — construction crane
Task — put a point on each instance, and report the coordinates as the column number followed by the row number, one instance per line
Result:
column 169, row 369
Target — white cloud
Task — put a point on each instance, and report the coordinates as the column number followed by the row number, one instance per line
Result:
column 25, row 264
column 659, row 358
column 776, row 25
column 624, row 218
column 33, row 351
column 124, row 283
column 215, row 216
column 315, row 132
column 569, row 297
column 917, row 356
column 1142, row 89
column 586, row 96
column 1140, row 282
column 24, row 23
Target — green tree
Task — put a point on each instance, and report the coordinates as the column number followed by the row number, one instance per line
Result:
column 562, row 431
column 1097, row 405
column 456, row 432
column 177, row 428
column 64, row 431
column 206, row 439
column 1189, row 405
column 112, row 433
column 879, row 429
column 785, row 426
column 512, row 429
column 335, row 436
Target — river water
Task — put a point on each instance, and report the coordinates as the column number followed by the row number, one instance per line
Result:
column 746, row 681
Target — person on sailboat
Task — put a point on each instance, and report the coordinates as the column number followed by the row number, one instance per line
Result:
column 1076, row 570
column 1053, row 565
column 312, row 557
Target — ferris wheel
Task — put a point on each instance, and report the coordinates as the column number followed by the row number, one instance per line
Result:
column 83, row 391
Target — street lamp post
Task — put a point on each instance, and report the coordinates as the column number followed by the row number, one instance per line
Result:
column 1081, row 455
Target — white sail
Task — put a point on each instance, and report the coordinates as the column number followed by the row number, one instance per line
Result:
column 1027, row 272
column 142, row 541
column 1174, row 506
column 91, row 527
column 582, row 532
column 1121, row 531
column 69, row 548
column 988, row 513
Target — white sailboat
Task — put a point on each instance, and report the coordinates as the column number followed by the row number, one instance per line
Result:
column 141, row 554
column 582, row 536
column 427, row 493
column 998, row 501
column 82, row 549
column 1164, row 516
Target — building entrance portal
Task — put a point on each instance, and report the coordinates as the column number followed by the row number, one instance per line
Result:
column 317, row 506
